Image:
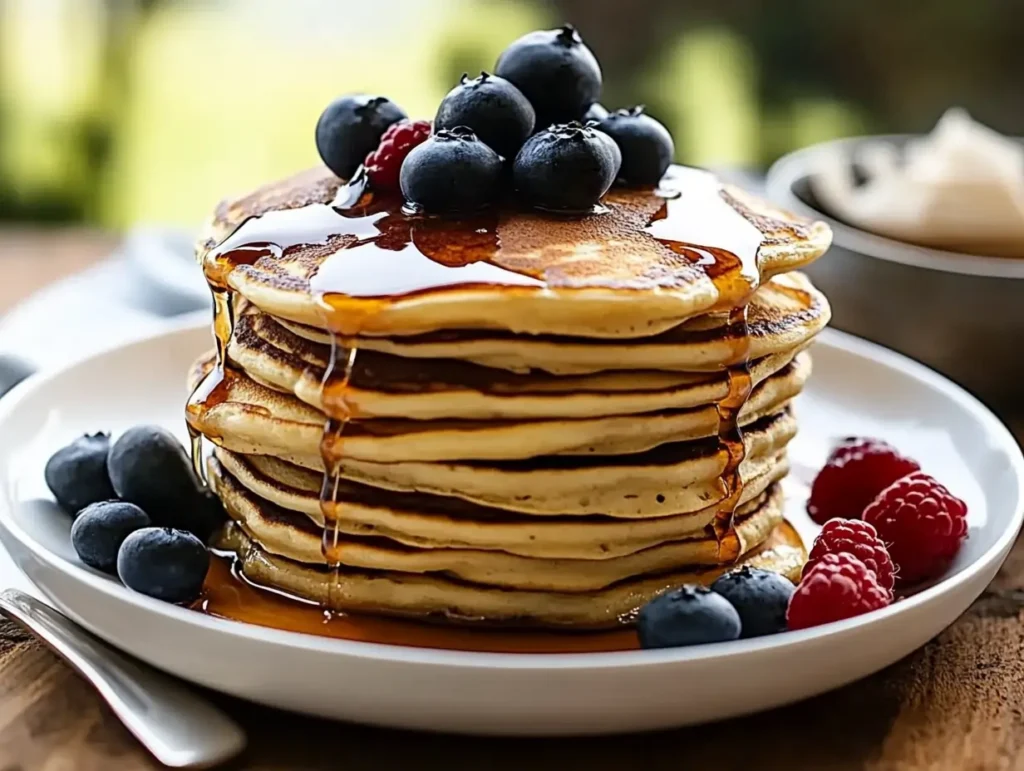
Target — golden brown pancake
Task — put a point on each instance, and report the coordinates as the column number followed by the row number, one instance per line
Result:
column 432, row 521
column 386, row 386
column 783, row 315
column 245, row 410
column 289, row 534
column 446, row 598
column 605, row 275
column 671, row 478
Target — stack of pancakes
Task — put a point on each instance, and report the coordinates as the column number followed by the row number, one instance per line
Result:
column 534, row 440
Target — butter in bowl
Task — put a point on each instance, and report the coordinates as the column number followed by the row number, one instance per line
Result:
column 928, row 251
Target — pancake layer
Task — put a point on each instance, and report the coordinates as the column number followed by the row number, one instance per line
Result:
column 604, row 276
column 292, row 535
column 438, row 597
column 389, row 386
column 432, row 521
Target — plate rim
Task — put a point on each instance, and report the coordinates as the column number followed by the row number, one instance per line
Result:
column 355, row 649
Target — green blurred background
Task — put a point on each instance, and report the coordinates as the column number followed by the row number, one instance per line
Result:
column 114, row 112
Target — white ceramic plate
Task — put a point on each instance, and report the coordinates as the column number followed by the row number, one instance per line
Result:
column 857, row 388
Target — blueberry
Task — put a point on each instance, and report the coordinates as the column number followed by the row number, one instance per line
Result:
column 647, row 147
column 496, row 110
column 567, row 167
column 689, row 615
column 77, row 474
column 452, row 171
column 556, row 71
column 351, row 127
column 164, row 563
column 596, row 112
column 149, row 467
column 204, row 516
column 100, row 529
column 759, row 596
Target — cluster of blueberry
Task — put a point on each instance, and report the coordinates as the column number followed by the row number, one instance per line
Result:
column 535, row 125
column 743, row 603
column 139, row 511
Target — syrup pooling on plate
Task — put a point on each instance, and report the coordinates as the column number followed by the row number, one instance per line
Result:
column 228, row 594
column 696, row 222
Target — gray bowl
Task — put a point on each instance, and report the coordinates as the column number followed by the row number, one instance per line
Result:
column 958, row 313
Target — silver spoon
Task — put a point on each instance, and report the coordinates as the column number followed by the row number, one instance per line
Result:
column 179, row 727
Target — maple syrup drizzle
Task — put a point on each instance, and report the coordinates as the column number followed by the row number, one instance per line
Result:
column 698, row 223
column 330, row 544
column 379, row 253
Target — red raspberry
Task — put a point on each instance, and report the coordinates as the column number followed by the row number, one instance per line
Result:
column 839, row 586
column 851, row 536
column 384, row 163
column 923, row 523
column 855, row 472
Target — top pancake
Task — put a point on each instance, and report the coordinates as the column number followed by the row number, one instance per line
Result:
column 604, row 275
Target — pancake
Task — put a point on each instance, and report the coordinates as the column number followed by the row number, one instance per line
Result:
column 669, row 479
column 618, row 274
column 288, row 534
column 431, row 521
column 672, row 479
column 246, row 414
column 455, row 600
column 387, row 386
column 784, row 314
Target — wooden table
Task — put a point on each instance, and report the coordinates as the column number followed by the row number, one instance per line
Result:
column 958, row 703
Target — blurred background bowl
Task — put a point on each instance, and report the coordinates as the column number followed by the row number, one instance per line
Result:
column 961, row 314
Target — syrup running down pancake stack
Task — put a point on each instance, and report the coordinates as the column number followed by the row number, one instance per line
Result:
column 530, row 419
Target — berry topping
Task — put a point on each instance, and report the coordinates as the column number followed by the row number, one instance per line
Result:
column 77, row 474
column 204, row 517
column 384, row 164
column 556, row 71
column 351, row 127
column 852, row 536
column 101, row 528
column 596, row 112
column 855, row 472
column 923, row 523
column 689, row 615
column 839, row 586
column 164, row 563
column 452, row 171
column 495, row 109
column 566, row 168
column 647, row 147
column 149, row 467
column 759, row 596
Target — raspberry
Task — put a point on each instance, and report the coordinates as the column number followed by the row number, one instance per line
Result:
column 855, row 472
column 923, row 523
column 851, row 536
column 384, row 163
column 839, row 586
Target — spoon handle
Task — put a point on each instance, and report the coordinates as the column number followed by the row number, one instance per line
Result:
column 178, row 726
